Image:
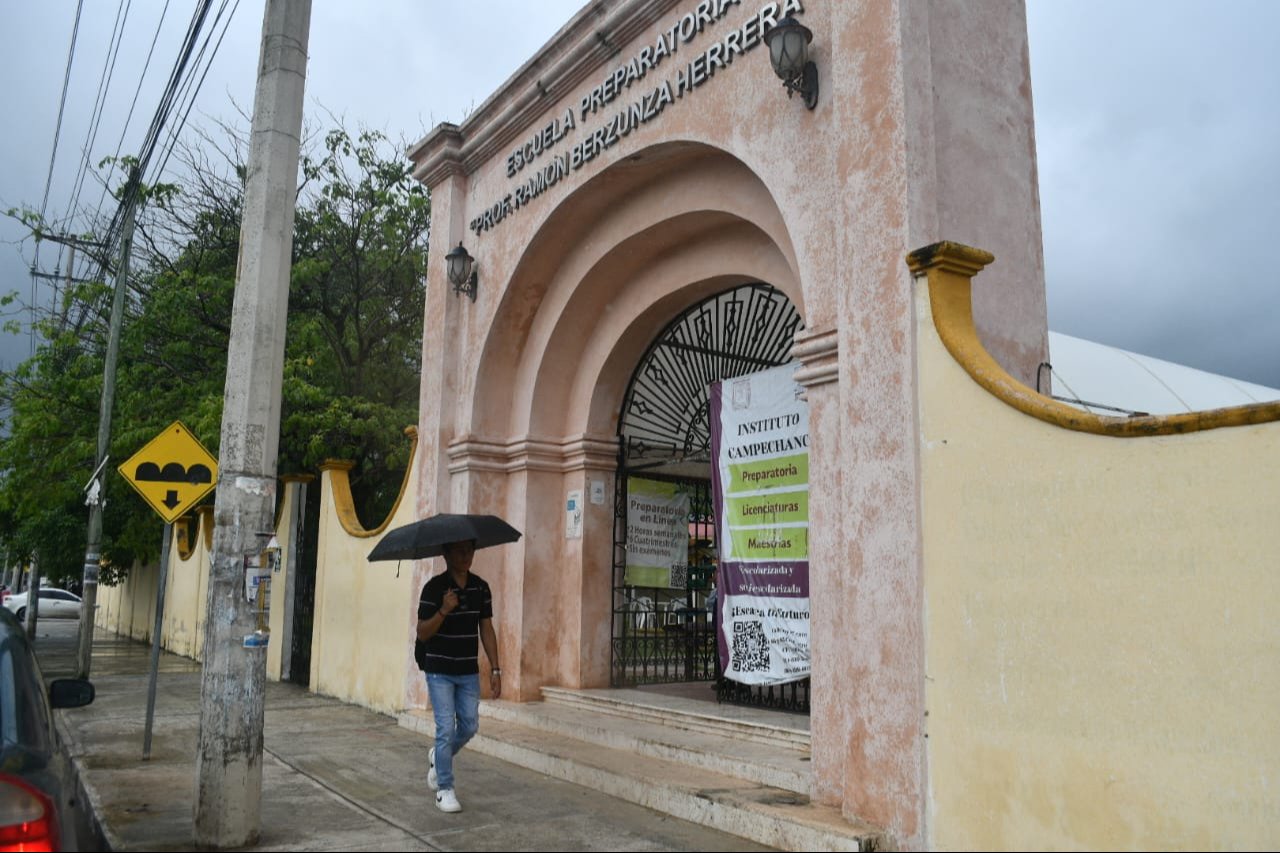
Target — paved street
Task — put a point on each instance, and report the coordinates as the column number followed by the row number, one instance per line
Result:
column 335, row 776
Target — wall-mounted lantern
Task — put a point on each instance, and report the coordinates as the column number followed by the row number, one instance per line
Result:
column 462, row 273
column 788, row 43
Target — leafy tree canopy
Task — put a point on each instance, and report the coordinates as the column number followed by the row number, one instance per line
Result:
column 352, row 352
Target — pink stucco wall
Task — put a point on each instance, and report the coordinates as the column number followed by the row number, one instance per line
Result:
column 923, row 130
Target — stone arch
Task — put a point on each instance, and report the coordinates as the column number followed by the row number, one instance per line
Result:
column 609, row 268
column 604, row 273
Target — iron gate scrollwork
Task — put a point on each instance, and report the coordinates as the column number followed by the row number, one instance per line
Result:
column 663, row 634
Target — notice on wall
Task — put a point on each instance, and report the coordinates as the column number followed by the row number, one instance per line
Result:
column 657, row 533
column 573, row 515
column 760, row 444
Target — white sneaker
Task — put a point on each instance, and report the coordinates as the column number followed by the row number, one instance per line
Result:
column 447, row 801
column 432, row 781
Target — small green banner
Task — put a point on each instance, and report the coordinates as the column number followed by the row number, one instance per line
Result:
column 771, row 543
column 773, row 508
column 657, row 532
column 758, row 474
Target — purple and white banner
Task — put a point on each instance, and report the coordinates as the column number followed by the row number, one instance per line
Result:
column 760, row 444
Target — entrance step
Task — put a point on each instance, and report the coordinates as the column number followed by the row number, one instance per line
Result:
column 641, row 723
column 695, row 765
column 771, row 728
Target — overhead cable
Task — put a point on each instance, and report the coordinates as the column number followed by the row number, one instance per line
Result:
column 99, row 103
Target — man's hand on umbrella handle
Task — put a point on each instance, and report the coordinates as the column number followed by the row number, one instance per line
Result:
column 449, row 603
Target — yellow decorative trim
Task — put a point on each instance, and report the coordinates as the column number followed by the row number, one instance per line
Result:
column 286, row 479
column 205, row 514
column 949, row 267
column 187, row 531
column 340, row 483
column 185, row 536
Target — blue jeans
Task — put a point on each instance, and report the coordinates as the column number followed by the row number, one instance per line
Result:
column 455, row 701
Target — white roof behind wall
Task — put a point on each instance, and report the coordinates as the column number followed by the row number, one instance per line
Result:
column 1085, row 372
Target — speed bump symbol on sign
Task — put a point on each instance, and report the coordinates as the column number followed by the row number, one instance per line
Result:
column 172, row 472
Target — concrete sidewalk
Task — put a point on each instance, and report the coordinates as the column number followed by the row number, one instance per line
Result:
column 335, row 776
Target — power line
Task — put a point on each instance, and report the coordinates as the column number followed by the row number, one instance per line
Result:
column 158, row 121
column 95, row 121
column 100, row 101
column 62, row 104
column 48, row 181
column 174, row 86
column 136, row 92
column 186, row 78
column 129, row 194
column 194, row 92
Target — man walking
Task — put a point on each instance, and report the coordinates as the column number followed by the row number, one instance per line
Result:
column 455, row 611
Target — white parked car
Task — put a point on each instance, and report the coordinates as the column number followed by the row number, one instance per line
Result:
column 54, row 603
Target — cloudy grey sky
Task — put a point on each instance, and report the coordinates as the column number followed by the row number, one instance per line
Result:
column 1157, row 126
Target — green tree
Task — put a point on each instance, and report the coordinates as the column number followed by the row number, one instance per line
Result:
column 352, row 359
column 355, row 351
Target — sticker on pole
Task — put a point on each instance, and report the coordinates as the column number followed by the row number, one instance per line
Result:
column 172, row 472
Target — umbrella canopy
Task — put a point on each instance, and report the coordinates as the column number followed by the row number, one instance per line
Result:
column 428, row 536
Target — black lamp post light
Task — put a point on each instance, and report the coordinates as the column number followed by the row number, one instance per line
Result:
column 462, row 273
column 788, row 43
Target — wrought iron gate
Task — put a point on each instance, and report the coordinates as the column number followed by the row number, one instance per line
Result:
column 664, row 634
column 304, row 590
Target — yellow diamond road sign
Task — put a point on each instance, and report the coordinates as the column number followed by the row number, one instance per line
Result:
column 173, row 471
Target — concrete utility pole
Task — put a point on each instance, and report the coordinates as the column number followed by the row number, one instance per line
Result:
column 33, row 598
column 229, row 756
column 98, row 487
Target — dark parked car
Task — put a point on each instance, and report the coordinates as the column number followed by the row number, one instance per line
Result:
column 39, row 806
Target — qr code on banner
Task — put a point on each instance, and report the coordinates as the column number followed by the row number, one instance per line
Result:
column 679, row 576
column 750, row 647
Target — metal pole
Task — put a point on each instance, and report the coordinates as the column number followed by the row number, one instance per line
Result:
column 155, row 640
column 290, row 591
column 97, row 489
column 233, row 681
column 33, row 598
column 60, row 306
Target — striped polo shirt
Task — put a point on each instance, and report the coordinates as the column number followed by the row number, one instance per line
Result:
column 455, row 648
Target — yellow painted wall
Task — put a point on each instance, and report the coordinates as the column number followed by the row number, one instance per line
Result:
column 1102, row 650
column 365, row 613
column 185, row 597
column 106, row 614
column 129, row 607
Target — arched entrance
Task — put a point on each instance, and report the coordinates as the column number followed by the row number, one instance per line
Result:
column 661, row 629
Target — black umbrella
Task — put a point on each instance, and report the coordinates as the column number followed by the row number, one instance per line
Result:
column 428, row 536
